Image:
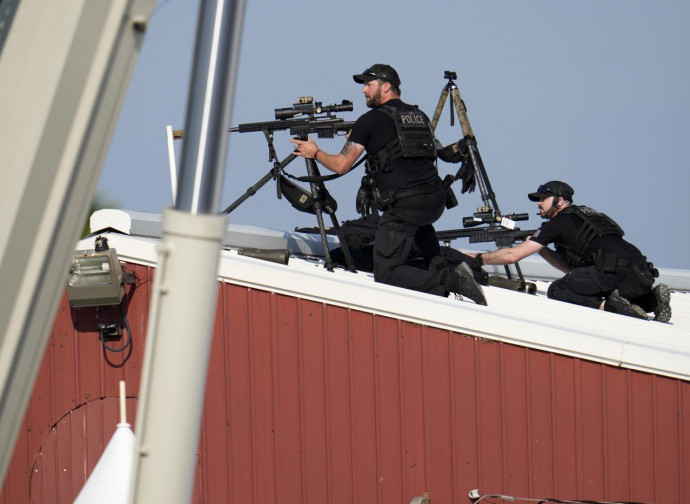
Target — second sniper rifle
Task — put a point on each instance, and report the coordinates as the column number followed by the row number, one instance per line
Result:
column 318, row 199
column 495, row 226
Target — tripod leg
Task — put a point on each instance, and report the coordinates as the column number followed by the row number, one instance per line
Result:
column 250, row 192
column 519, row 272
column 462, row 112
column 328, row 261
column 482, row 177
column 439, row 108
column 272, row 174
column 316, row 193
column 349, row 261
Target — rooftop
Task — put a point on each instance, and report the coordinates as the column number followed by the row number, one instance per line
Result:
column 532, row 321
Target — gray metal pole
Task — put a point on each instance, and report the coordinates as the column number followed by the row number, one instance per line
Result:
column 185, row 289
column 214, row 73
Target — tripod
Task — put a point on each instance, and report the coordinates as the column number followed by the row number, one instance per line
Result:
column 320, row 197
column 489, row 213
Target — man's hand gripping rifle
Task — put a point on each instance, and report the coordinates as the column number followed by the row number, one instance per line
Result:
column 493, row 225
column 321, row 120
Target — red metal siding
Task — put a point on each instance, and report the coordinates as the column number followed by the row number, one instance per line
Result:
column 309, row 403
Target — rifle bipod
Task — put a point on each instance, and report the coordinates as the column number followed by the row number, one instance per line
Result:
column 321, row 200
column 467, row 147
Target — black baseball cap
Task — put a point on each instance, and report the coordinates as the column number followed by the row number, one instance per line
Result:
column 378, row 71
column 553, row 188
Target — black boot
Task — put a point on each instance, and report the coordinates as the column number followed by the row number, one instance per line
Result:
column 662, row 310
column 618, row 304
column 461, row 281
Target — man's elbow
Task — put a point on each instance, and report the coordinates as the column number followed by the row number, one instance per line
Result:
column 512, row 258
column 341, row 169
column 515, row 254
column 341, row 166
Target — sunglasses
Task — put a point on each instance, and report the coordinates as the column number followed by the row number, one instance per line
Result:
column 374, row 74
column 545, row 190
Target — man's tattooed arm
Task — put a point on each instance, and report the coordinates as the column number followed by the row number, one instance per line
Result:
column 347, row 148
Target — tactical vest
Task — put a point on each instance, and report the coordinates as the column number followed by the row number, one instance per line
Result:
column 594, row 224
column 414, row 138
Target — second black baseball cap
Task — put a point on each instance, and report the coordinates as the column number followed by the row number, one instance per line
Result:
column 552, row 188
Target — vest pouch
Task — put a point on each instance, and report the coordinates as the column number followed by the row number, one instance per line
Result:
column 608, row 263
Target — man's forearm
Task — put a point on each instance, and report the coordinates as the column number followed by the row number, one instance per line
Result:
column 510, row 255
column 338, row 163
column 333, row 162
column 554, row 259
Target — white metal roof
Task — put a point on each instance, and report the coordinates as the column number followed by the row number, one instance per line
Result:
column 532, row 321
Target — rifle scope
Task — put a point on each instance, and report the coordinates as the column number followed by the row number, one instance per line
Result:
column 490, row 219
column 312, row 108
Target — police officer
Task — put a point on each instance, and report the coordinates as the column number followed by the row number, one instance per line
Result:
column 400, row 162
column 602, row 269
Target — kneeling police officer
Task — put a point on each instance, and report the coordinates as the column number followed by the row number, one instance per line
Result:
column 401, row 151
column 602, row 269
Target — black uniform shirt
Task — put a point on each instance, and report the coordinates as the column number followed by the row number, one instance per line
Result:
column 562, row 230
column 374, row 130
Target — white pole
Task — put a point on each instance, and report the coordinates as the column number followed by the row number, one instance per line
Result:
column 171, row 161
column 175, row 365
column 123, row 404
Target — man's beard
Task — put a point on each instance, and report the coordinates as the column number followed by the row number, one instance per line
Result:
column 549, row 214
column 375, row 99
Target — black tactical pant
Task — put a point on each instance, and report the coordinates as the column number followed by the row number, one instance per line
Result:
column 410, row 222
column 589, row 287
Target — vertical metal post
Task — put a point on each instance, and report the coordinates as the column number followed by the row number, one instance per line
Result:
column 204, row 148
column 185, row 289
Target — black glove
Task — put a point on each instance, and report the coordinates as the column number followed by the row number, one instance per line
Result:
column 363, row 201
column 469, row 181
column 450, row 153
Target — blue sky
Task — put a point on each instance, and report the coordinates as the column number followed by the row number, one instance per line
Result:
column 594, row 92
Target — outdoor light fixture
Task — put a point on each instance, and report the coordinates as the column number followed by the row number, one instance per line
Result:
column 95, row 277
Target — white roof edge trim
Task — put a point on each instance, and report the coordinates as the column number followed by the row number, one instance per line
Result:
column 626, row 343
column 239, row 235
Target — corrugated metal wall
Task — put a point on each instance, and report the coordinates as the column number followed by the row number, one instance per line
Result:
column 308, row 403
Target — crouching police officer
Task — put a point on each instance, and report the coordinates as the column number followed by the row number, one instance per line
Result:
column 602, row 269
column 401, row 151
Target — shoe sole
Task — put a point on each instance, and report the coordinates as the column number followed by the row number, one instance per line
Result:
column 663, row 299
column 470, row 287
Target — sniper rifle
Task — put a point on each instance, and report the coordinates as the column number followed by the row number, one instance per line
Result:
column 325, row 126
column 502, row 237
column 317, row 200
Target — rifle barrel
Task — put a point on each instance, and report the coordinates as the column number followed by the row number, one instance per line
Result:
column 323, row 126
